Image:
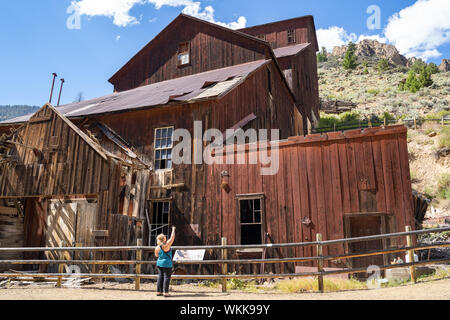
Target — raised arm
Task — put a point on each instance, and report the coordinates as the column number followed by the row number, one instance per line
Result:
column 169, row 243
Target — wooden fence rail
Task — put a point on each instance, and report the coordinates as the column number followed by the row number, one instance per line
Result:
column 224, row 261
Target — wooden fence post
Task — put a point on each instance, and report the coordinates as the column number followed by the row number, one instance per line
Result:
column 443, row 122
column 320, row 262
column 138, row 265
column 409, row 243
column 415, row 123
column 224, row 265
column 60, row 269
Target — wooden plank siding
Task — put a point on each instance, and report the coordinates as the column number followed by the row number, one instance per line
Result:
column 301, row 67
column 275, row 111
column 211, row 47
column 62, row 163
column 322, row 181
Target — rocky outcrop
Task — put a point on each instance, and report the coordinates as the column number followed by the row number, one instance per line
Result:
column 373, row 48
column 445, row 65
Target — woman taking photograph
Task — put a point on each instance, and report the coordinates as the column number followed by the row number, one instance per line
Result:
column 164, row 254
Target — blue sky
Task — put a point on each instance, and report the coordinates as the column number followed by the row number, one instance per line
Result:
column 36, row 40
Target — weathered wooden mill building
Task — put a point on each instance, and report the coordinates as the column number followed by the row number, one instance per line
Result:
column 101, row 172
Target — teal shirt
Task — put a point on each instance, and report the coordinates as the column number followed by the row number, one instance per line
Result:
column 164, row 259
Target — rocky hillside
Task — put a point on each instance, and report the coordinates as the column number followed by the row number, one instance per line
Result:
column 371, row 91
column 374, row 92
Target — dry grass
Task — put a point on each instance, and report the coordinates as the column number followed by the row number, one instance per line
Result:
column 311, row 285
column 444, row 138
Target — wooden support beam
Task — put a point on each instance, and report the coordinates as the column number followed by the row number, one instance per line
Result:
column 8, row 211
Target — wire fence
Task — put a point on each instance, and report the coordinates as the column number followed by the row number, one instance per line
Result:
column 364, row 124
column 319, row 259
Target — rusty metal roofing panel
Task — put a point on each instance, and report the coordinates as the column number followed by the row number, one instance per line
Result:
column 291, row 50
column 185, row 89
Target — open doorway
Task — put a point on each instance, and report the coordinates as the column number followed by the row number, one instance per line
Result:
column 368, row 224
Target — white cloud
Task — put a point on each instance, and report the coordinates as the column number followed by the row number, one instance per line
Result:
column 334, row 36
column 416, row 31
column 119, row 10
column 420, row 29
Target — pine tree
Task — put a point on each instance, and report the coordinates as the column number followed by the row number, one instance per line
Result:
column 350, row 57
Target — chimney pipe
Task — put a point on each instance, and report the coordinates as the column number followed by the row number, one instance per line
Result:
column 60, row 90
column 53, row 85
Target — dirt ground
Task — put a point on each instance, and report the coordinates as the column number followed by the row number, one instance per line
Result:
column 432, row 290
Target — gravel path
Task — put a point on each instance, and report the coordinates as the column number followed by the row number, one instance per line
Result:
column 433, row 290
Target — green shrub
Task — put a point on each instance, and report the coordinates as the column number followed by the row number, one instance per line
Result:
column 350, row 59
column 432, row 68
column 418, row 66
column 383, row 65
column 328, row 120
column 425, row 78
column 374, row 92
column 443, row 190
column 387, row 116
column 412, row 83
column 349, row 116
column 438, row 115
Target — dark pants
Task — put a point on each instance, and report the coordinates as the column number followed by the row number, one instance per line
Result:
column 164, row 275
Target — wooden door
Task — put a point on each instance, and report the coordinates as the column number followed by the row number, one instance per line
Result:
column 86, row 223
column 362, row 226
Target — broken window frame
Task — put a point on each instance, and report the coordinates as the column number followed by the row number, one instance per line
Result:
column 250, row 197
column 184, row 49
column 160, row 149
column 291, row 36
column 159, row 227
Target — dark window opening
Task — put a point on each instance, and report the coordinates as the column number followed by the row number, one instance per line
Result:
column 262, row 37
column 291, row 36
column 184, row 54
column 163, row 148
column 160, row 220
column 251, row 215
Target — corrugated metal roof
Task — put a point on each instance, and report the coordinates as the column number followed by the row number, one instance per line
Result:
column 291, row 50
column 206, row 85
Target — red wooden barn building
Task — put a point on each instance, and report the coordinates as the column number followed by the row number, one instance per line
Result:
column 101, row 171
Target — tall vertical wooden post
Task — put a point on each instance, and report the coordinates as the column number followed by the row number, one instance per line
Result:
column 410, row 243
column 224, row 265
column 138, row 265
column 60, row 269
column 320, row 262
